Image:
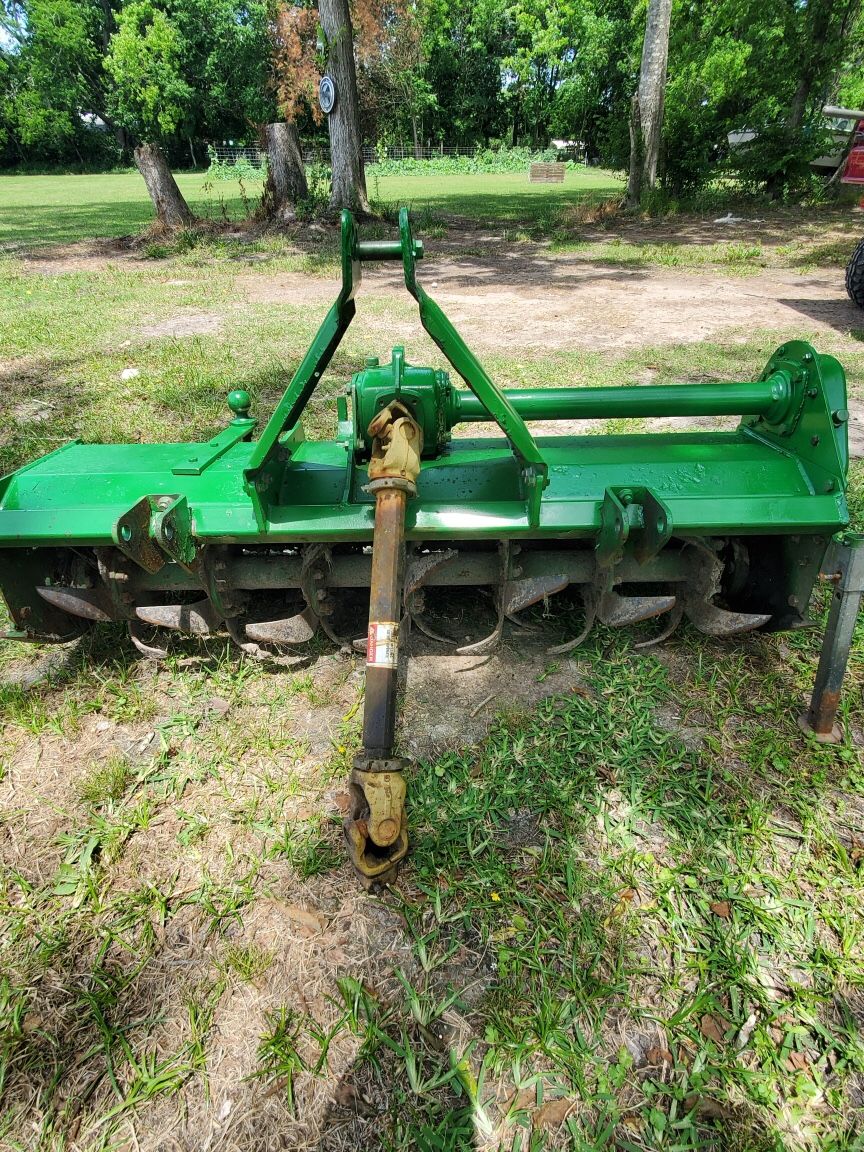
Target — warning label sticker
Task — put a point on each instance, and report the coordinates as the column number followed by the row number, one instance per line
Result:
column 382, row 644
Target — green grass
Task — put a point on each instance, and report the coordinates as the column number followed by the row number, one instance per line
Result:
column 501, row 199
column 632, row 917
column 39, row 210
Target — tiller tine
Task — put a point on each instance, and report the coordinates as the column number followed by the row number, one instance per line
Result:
column 622, row 611
column 618, row 612
column 417, row 620
column 522, row 593
column 488, row 643
column 420, row 566
column 198, row 619
column 675, row 617
column 88, row 603
column 699, row 607
column 292, row 630
column 588, row 624
column 150, row 651
column 714, row 621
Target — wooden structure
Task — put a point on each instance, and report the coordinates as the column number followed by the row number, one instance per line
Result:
column 547, row 173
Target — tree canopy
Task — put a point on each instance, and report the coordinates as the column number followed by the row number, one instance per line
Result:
column 83, row 80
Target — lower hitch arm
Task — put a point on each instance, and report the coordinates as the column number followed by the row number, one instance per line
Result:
column 376, row 828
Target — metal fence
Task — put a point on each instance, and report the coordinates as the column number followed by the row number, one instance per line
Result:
column 228, row 152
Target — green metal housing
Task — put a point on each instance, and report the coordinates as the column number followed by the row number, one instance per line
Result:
column 766, row 498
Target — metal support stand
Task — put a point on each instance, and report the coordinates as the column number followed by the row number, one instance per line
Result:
column 844, row 568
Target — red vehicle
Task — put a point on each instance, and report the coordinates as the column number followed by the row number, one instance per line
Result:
column 853, row 173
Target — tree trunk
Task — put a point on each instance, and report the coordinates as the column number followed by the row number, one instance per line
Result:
column 652, row 89
column 286, row 176
column 172, row 211
column 346, row 152
column 634, row 179
column 418, row 155
column 816, row 36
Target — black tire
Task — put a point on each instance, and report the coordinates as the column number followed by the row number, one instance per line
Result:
column 855, row 276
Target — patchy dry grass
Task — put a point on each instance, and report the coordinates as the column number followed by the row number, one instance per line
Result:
column 633, row 912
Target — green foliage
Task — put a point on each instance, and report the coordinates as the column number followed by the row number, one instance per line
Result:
column 144, row 60
column 762, row 67
column 50, row 78
column 474, row 75
column 483, row 160
column 240, row 168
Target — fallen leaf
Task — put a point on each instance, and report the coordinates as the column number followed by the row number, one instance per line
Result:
column 746, row 1031
column 657, row 1055
column 706, row 1108
column 308, row 923
column 553, row 1114
column 624, row 901
column 712, row 1028
column 520, row 1101
column 720, row 908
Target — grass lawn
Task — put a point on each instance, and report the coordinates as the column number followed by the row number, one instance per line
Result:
column 633, row 916
column 63, row 209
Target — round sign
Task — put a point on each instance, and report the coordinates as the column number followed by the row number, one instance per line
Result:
column 327, row 94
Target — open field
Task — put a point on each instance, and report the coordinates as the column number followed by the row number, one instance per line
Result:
column 633, row 916
column 63, row 209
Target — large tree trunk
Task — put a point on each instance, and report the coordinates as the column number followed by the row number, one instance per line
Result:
column 634, row 178
column 652, row 89
column 172, row 211
column 286, row 176
column 346, row 152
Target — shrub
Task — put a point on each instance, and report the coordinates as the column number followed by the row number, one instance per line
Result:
column 484, row 160
column 240, row 168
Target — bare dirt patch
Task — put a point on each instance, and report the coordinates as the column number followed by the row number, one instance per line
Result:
column 566, row 303
column 183, row 324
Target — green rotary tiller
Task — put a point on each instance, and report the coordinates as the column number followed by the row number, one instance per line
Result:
column 259, row 537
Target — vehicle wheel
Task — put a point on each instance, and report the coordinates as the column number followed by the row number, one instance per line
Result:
column 855, row 276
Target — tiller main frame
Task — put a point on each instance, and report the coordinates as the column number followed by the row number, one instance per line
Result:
column 254, row 536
